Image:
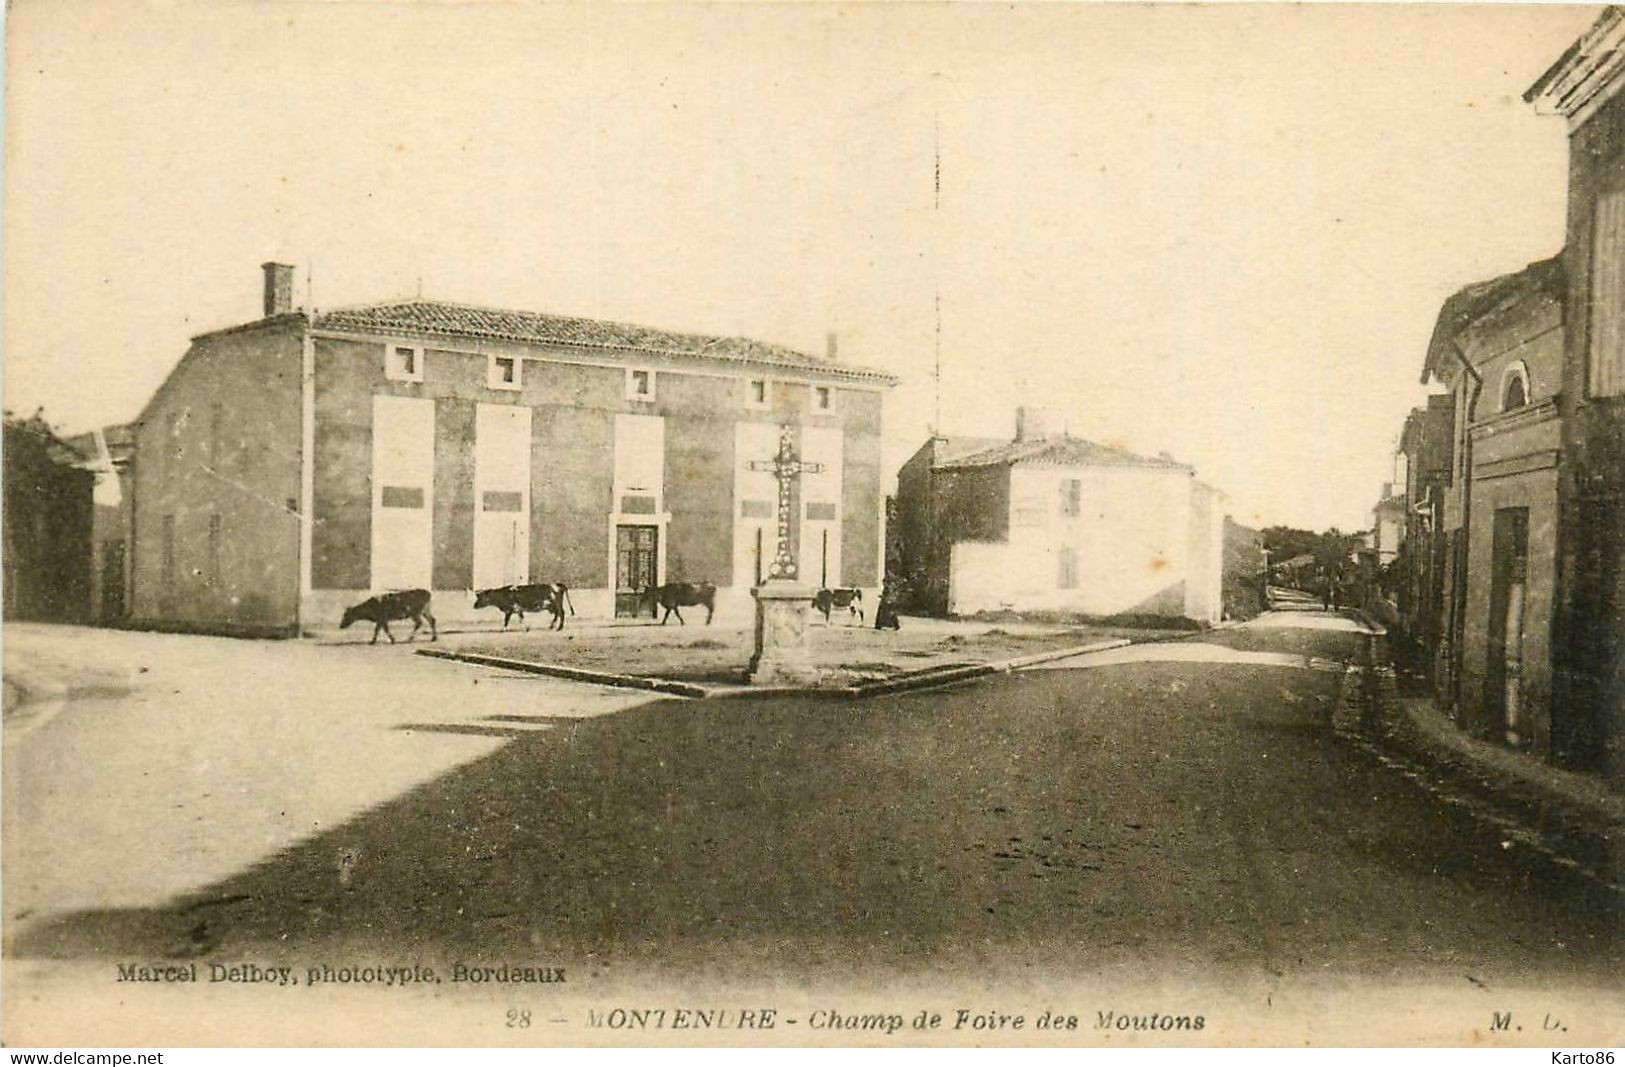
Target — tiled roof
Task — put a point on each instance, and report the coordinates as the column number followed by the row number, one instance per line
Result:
column 440, row 319
column 1064, row 451
column 1475, row 301
column 120, row 439
column 952, row 449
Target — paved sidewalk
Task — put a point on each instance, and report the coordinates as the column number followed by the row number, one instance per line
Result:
column 1575, row 820
column 1525, row 777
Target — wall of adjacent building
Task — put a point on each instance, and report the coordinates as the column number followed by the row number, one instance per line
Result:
column 216, row 485
column 921, row 562
column 1535, row 491
column 1515, row 455
column 1591, row 622
column 1204, row 567
column 969, row 506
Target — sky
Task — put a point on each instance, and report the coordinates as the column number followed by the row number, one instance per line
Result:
column 1218, row 232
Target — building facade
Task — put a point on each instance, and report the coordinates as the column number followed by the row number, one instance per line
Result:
column 296, row 464
column 1388, row 527
column 1519, row 595
column 1425, row 445
column 108, row 454
column 1057, row 524
column 1584, row 88
column 1498, row 347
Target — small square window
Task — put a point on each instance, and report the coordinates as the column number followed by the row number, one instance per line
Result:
column 403, row 363
column 823, row 398
column 505, row 372
column 756, row 393
column 640, row 384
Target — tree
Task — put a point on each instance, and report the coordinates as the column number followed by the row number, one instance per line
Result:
column 47, row 523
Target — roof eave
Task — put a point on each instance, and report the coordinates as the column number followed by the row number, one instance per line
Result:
column 851, row 372
column 287, row 319
column 1588, row 74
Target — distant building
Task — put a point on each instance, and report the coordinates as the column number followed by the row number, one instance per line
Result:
column 1057, row 524
column 1388, row 526
column 108, row 454
column 47, row 515
column 294, row 464
column 1425, row 444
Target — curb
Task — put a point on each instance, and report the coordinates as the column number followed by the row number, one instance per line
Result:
column 1373, row 626
column 1369, row 719
column 927, row 679
column 574, row 674
column 1062, row 653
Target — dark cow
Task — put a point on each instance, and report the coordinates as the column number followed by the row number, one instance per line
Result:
column 850, row 599
column 674, row 595
column 514, row 600
column 382, row 610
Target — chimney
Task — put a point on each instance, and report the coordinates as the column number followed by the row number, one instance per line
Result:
column 829, row 345
column 278, row 288
column 1030, row 423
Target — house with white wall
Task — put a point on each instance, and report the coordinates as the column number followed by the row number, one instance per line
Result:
column 1055, row 523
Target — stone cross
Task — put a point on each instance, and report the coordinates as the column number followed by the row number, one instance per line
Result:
column 788, row 468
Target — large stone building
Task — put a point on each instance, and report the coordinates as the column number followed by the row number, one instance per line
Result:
column 1057, row 524
column 294, row 464
column 1498, row 348
column 1519, row 602
column 1584, row 87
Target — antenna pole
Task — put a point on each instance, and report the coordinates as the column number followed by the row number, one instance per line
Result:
column 936, row 206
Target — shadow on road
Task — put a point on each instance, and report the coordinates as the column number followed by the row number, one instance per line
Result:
column 1140, row 818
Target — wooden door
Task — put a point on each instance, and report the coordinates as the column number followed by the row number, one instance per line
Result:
column 1509, row 575
column 636, row 563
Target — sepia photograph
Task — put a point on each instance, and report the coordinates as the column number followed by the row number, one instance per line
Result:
column 813, row 525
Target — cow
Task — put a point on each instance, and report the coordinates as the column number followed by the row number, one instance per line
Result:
column 380, row 610
column 675, row 595
column 850, row 599
column 514, row 600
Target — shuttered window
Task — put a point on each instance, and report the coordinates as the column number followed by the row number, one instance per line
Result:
column 214, row 550
column 1071, row 496
column 638, row 504
column 1068, row 576
column 498, row 500
column 401, row 496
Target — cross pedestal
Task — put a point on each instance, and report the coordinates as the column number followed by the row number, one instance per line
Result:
column 781, row 656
